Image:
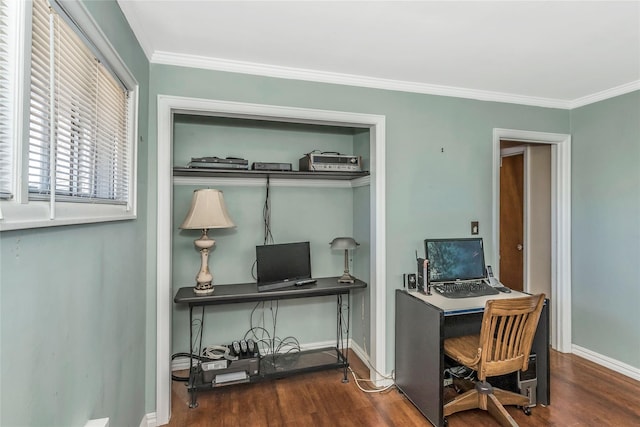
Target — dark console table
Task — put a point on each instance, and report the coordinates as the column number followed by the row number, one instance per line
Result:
column 273, row 365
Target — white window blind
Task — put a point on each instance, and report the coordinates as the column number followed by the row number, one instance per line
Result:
column 78, row 121
column 6, row 157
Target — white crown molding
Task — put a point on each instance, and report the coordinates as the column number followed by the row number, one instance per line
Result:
column 605, row 94
column 243, row 67
column 218, row 64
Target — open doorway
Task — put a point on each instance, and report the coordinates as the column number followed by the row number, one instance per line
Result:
column 558, row 250
column 525, row 216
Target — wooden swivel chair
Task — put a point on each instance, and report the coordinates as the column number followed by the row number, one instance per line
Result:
column 503, row 346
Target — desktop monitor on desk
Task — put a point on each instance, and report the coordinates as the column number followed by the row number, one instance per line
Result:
column 455, row 259
column 281, row 265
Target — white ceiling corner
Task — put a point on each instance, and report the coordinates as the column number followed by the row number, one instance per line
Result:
column 561, row 54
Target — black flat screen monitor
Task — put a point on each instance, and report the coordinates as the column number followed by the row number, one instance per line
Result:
column 455, row 259
column 285, row 262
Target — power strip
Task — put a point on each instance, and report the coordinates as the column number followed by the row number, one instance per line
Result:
column 231, row 377
column 215, row 364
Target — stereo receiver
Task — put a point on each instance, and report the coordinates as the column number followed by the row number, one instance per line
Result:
column 330, row 163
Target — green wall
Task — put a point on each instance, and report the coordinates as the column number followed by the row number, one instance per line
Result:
column 606, row 227
column 438, row 157
column 73, row 300
column 327, row 213
column 71, row 334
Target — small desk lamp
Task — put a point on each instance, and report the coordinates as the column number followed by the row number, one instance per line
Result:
column 345, row 243
column 207, row 211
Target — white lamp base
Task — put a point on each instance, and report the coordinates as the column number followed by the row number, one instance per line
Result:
column 204, row 289
column 204, row 279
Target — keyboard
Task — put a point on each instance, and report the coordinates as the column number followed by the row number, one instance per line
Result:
column 274, row 286
column 465, row 289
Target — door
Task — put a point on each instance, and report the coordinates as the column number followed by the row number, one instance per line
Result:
column 512, row 221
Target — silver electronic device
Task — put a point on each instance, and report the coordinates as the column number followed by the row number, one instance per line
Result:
column 528, row 381
column 218, row 163
column 494, row 282
column 232, row 363
column 330, row 163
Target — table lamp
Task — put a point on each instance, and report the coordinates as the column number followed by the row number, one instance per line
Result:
column 345, row 243
column 207, row 211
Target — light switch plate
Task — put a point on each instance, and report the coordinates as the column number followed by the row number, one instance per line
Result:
column 475, row 227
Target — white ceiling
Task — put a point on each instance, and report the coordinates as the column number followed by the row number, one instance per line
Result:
column 549, row 53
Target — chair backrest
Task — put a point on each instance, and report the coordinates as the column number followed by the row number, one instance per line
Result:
column 508, row 328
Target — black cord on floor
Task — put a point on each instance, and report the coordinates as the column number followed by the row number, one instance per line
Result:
column 194, row 356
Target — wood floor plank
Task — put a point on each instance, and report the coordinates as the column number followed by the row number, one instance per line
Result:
column 583, row 394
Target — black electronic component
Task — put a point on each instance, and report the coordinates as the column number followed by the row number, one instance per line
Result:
column 271, row 166
column 452, row 260
column 465, row 289
column 489, row 271
column 420, row 273
column 411, row 279
column 236, row 347
column 247, row 362
column 282, row 265
column 528, row 380
column 427, row 276
column 218, row 163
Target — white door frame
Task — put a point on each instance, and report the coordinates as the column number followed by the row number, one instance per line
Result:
column 167, row 106
column 560, row 312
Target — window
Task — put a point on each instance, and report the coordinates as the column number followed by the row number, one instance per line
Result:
column 6, row 183
column 75, row 161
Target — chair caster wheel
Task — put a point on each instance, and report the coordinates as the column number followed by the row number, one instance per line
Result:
column 526, row 410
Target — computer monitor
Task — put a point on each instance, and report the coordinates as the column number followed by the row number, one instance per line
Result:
column 455, row 259
column 285, row 262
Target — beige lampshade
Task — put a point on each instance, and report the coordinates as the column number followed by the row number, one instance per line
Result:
column 208, row 210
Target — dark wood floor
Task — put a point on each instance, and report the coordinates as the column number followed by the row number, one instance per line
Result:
column 582, row 394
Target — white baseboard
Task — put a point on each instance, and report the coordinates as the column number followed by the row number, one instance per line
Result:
column 102, row 422
column 179, row 363
column 149, row 420
column 607, row 362
column 359, row 351
column 378, row 378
